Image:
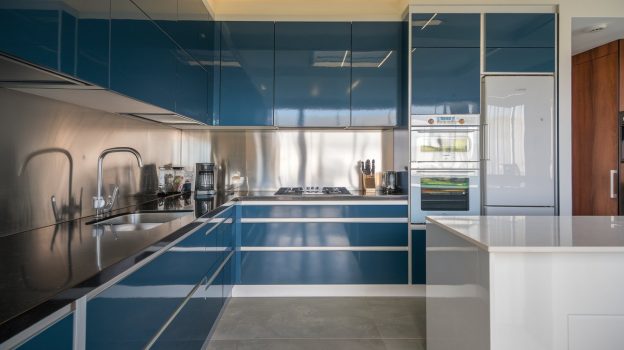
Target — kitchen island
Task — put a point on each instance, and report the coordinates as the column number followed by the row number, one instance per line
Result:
column 521, row 282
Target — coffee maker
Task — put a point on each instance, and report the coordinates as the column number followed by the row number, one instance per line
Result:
column 204, row 179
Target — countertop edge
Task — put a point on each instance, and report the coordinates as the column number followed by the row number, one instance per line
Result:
column 526, row 249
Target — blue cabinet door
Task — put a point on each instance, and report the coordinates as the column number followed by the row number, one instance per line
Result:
column 312, row 74
column 67, row 37
column 142, row 58
column 31, row 33
column 446, row 63
column 419, row 257
column 323, row 234
column 446, row 81
column 325, row 211
column 324, row 267
column 191, row 327
column 247, row 61
column 446, row 30
column 376, row 73
column 131, row 312
column 191, row 90
column 58, row 336
column 520, row 42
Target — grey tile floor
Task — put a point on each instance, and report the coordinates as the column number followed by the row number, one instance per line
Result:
column 321, row 323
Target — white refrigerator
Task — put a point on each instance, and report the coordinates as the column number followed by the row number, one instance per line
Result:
column 519, row 145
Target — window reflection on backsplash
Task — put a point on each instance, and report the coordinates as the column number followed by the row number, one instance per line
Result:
column 50, row 149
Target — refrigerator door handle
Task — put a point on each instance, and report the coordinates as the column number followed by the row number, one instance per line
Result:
column 485, row 149
column 612, row 174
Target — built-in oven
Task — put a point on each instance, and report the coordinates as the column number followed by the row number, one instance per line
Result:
column 450, row 191
column 443, row 141
column 438, row 147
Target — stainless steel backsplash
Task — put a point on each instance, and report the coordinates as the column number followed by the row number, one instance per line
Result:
column 50, row 148
column 269, row 159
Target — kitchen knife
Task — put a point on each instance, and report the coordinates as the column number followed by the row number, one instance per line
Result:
column 373, row 168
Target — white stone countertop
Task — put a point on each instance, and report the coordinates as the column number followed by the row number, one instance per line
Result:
column 526, row 234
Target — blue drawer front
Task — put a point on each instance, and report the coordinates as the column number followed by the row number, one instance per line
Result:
column 126, row 323
column 57, row 336
column 419, row 257
column 324, row 267
column 323, row 234
column 192, row 325
column 324, row 211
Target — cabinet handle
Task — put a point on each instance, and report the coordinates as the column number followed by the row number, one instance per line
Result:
column 612, row 174
column 485, row 148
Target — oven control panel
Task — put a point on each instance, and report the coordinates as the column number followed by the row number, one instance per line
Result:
column 446, row 120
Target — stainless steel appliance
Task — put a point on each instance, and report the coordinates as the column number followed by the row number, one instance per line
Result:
column 312, row 190
column 519, row 145
column 204, row 179
column 389, row 181
column 444, row 192
column 447, row 141
column 445, row 159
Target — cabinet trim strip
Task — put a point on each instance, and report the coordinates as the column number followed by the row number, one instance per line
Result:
column 316, row 220
column 347, row 248
column 338, row 202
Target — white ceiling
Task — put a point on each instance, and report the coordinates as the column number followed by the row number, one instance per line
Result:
column 583, row 39
column 286, row 10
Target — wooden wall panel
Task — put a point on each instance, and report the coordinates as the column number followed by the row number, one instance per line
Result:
column 595, row 138
column 622, row 75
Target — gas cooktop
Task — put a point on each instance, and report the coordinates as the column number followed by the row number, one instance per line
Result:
column 312, row 190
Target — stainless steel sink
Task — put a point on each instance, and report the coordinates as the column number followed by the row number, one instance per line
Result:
column 141, row 221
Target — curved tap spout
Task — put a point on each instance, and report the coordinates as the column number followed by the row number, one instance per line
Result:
column 99, row 202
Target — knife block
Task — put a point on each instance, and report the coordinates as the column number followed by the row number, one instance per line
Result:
column 368, row 183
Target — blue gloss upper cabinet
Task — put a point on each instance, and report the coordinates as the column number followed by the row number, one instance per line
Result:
column 143, row 59
column 312, row 74
column 247, row 61
column 445, row 64
column 520, row 42
column 446, row 30
column 66, row 36
column 376, row 73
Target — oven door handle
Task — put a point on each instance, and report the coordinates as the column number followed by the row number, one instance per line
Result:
column 443, row 172
column 437, row 129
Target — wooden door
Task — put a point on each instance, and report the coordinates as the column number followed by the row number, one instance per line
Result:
column 595, row 130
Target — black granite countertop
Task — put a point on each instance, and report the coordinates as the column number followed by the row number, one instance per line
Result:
column 45, row 269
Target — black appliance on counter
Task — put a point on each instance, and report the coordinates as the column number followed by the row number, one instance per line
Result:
column 204, row 179
column 312, row 190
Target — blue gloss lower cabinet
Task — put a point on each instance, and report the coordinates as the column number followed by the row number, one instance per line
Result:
column 419, row 257
column 325, row 211
column 129, row 314
column 323, row 234
column 323, row 267
column 58, row 336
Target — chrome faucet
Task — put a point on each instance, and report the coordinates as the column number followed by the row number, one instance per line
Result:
column 101, row 205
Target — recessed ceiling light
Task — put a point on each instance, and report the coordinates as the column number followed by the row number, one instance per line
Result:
column 597, row 28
